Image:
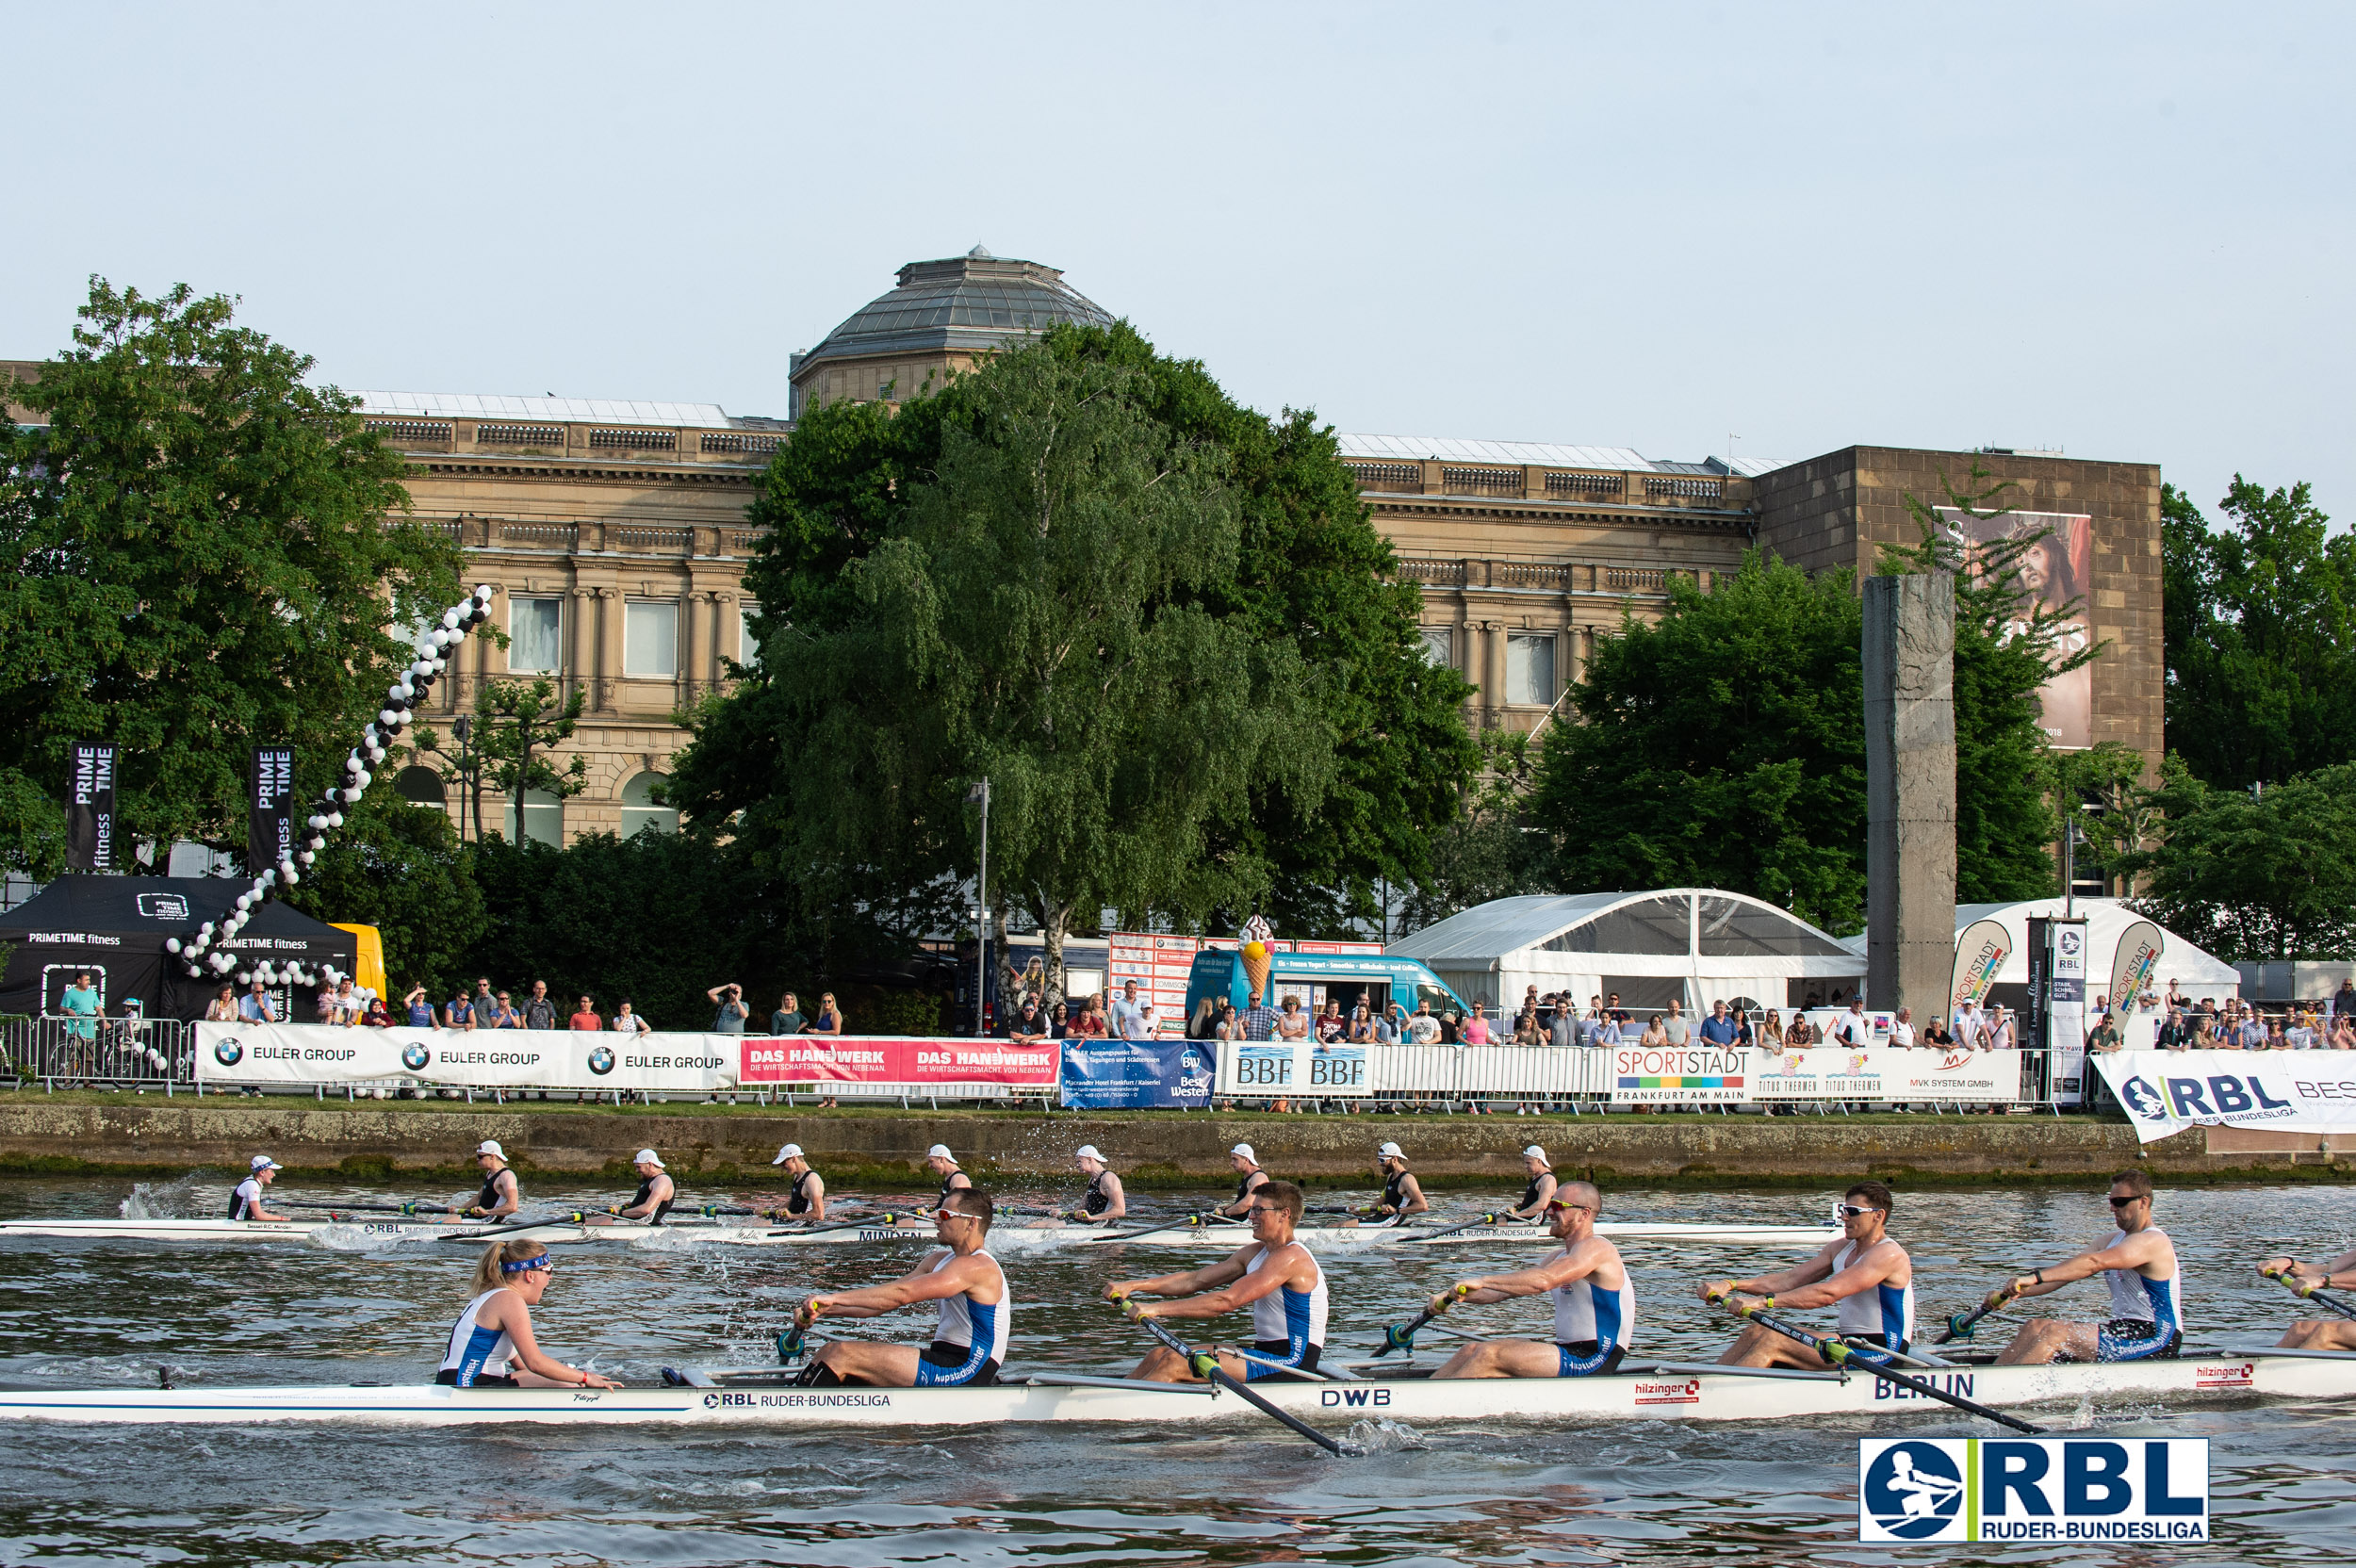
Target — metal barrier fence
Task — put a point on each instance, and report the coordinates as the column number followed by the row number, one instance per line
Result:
column 112, row 1053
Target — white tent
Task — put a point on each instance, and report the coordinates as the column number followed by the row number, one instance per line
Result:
column 1693, row 944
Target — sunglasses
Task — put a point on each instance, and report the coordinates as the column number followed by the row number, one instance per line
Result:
column 1850, row 1211
column 951, row 1214
column 2122, row 1203
column 1558, row 1204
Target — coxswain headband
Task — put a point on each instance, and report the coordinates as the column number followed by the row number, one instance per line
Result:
column 546, row 1260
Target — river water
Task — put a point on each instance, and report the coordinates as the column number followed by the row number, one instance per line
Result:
column 83, row 1314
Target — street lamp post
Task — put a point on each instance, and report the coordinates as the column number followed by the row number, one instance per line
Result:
column 980, row 794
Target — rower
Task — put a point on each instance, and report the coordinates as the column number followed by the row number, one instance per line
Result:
column 1402, row 1195
column 1104, row 1203
column 1542, row 1185
column 944, row 1164
column 656, row 1192
column 969, row 1343
column 2330, row 1333
column 1250, row 1179
column 807, row 1197
column 1866, row 1273
column 1274, row 1275
column 246, row 1202
column 500, row 1195
column 1595, row 1301
column 491, row 1344
column 2147, row 1291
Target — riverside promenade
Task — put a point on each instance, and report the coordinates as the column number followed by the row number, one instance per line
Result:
column 151, row 1135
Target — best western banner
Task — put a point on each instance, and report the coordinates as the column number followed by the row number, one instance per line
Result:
column 1136, row 1074
column 2286, row 1091
column 1885, row 1073
column 242, row 1053
column 888, row 1060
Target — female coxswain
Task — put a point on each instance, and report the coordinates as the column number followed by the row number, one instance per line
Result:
column 969, row 1343
column 500, row 1195
column 806, row 1199
column 491, row 1344
column 246, row 1202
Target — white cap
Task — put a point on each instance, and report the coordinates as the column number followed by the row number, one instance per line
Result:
column 1245, row 1149
column 1533, row 1152
column 1390, row 1152
column 490, row 1145
column 791, row 1152
column 1088, row 1151
column 263, row 1161
column 938, row 1152
column 647, row 1156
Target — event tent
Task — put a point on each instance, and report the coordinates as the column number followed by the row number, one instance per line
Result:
column 1694, row 945
column 2197, row 974
column 113, row 928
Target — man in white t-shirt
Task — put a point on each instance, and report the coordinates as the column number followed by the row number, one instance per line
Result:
column 1972, row 1027
column 1852, row 1028
column 1902, row 1028
column 1124, row 1011
column 1423, row 1029
column 1676, row 1026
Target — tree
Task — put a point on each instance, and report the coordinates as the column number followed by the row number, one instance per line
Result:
column 2265, row 873
column 203, row 554
column 2125, row 818
column 2260, row 627
column 515, row 725
column 1491, row 850
column 400, row 868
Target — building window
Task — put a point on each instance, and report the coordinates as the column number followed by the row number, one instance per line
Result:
column 421, row 786
column 544, row 820
column 747, row 646
column 651, row 639
column 1439, row 645
column 1529, row 669
column 531, row 635
column 639, row 813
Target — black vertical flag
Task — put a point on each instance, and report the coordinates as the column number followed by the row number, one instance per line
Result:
column 90, row 809
column 270, row 809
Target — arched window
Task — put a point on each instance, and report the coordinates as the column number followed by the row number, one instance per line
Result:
column 544, row 820
column 639, row 810
column 421, row 786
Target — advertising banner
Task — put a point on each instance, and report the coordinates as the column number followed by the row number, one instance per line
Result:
column 2286, row 1091
column 89, row 808
column 1680, row 1075
column 270, row 809
column 1980, row 952
column 1885, row 1073
column 2135, row 1006
column 1277, row 1067
column 253, row 1054
column 2052, row 570
column 1126, row 1075
column 894, row 1059
column 2052, row 1489
column 2068, row 1018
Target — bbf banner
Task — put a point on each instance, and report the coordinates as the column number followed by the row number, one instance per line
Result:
column 270, row 809
column 90, row 809
column 2040, row 1489
column 2284, row 1091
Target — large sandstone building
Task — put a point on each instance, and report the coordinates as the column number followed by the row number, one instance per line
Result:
column 615, row 534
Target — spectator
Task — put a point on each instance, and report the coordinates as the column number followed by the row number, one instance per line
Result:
column 2342, row 1032
column 732, row 1014
column 2103, row 1038
column 1024, row 1025
column 1361, row 1030
column 1423, row 1029
column 586, row 1017
column 1329, row 1027
column 1771, row 1035
column 1089, row 1025
column 350, row 1005
column 2275, row 1040
column 254, row 1007
column 459, row 1012
column 628, row 1022
column 1391, row 1027
column 1229, row 1025
column 1259, row 1020
column 1719, row 1028
column 1526, row 1032
column 1656, row 1034
column 503, row 1013
column 483, row 1002
column 1797, row 1035
column 1149, row 1016
column 325, row 1007
column 1059, row 1022
column 1474, row 1029
column 2298, row 1032
column 829, row 1018
column 1293, row 1025
column 1852, row 1029
column 1619, row 1014
column 2343, row 1000
column 1591, row 1023
column 1199, row 1025
column 1902, row 1029
column 788, row 1018
column 82, row 1008
column 2003, row 1030
column 1451, row 1030
column 379, row 1015
column 2250, row 1034
column 1676, row 1026
column 1563, row 1028
column 222, row 1008
column 1124, row 1018
column 419, row 1010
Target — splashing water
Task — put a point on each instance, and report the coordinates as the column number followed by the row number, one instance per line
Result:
column 1385, row 1436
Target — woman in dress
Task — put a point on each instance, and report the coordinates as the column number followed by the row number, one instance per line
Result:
column 829, row 1018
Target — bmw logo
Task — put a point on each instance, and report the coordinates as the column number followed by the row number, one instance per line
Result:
column 414, row 1057
column 228, row 1053
column 2143, row 1100
column 601, row 1061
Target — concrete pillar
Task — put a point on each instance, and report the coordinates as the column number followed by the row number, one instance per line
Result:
column 1909, row 791
column 1492, row 667
column 582, row 605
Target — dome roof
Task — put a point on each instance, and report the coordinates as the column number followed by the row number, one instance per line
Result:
column 972, row 302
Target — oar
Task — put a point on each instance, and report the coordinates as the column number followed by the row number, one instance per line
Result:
column 1959, row 1326
column 2308, row 1293
column 1843, row 1356
column 1402, row 1336
column 1183, row 1221
column 877, row 1219
column 493, row 1229
column 374, row 1208
column 1207, row 1367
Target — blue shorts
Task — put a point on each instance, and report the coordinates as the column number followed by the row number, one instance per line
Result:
column 942, row 1365
column 1588, row 1358
column 2136, row 1339
column 1301, row 1355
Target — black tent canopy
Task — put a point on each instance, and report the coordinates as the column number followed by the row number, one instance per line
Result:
column 113, row 930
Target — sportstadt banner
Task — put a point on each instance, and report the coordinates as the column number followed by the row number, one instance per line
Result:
column 2284, row 1091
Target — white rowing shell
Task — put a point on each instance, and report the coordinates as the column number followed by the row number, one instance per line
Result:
column 1673, row 1396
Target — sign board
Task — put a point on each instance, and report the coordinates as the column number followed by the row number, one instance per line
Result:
column 314, row 1053
column 1275, row 1069
column 1680, row 1075
column 1138, row 1075
column 89, row 808
column 892, row 1059
column 1885, row 1073
column 2287, row 1091
column 2063, row 1490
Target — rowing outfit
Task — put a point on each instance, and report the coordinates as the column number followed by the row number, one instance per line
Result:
column 1096, row 1200
column 2147, row 1314
column 1394, row 1197
column 798, row 1197
column 1288, row 1324
column 1252, row 1178
column 948, row 1185
column 489, row 1196
column 247, row 1199
column 646, row 1191
column 1530, row 1195
column 1593, row 1327
column 1871, row 1322
column 970, row 1343
column 477, row 1356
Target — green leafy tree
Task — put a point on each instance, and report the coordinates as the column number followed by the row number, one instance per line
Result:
column 400, row 868
column 1491, row 850
column 2259, row 874
column 515, row 725
column 203, row 554
column 2260, row 626
column 2118, row 815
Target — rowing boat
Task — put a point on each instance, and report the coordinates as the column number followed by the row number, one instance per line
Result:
column 1328, row 1238
column 1671, row 1391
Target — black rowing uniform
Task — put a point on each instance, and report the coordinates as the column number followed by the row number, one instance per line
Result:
column 248, row 1198
column 1529, row 1193
column 1096, row 1200
column 949, row 1183
column 797, row 1197
column 1394, row 1197
column 1253, row 1178
column 489, row 1196
column 645, row 1190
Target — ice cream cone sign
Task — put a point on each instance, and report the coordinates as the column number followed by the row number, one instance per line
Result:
column 1255, row 954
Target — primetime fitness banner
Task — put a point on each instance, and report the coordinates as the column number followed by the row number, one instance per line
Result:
column 2284, row 1091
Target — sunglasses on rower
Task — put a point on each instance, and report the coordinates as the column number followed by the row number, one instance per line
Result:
column 1554, row 1204
column 1850, row 1211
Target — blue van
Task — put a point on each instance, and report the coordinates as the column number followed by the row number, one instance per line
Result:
column 1376, row 979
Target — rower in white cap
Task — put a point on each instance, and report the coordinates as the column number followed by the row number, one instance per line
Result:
column 1250, row 1178
column 1402, row 1195
column 944, row 1164
column 246, row 1202
column 806, row 1198
column 500, row 1196
column 1104, row 1203
column 656, row 1192
column 1541, row 1187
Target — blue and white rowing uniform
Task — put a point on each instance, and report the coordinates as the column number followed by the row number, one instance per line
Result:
column 1877, row 1319
column 247, row 1199
column 1593, row 1327
column 2146, row 1315
column 1287, row 1325
column 477, row 1356
column 969, row 1343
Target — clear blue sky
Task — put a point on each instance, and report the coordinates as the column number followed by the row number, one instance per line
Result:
column 2119, row 229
